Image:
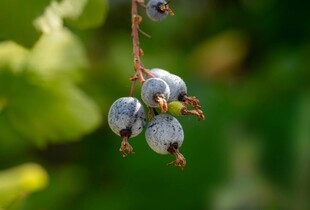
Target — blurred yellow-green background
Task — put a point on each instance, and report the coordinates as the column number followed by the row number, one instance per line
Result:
column 63, row 63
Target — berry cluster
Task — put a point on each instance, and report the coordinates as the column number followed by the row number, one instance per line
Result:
column 161, row 90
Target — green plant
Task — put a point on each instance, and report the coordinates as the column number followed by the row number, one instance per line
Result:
column 160, row 87
column 42, row 64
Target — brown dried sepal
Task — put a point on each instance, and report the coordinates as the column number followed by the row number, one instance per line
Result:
column 193, row 102
column 180, row 160
column 160, row 99
column 149, row 113
column 125, row 146
column 196, row 112
column 190, row 100
column 165, row 8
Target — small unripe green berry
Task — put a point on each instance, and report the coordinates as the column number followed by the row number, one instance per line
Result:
column 175, row 108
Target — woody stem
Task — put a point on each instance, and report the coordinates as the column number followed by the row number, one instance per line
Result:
column 136, row 19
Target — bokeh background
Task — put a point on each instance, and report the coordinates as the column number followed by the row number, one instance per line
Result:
column 248, row 61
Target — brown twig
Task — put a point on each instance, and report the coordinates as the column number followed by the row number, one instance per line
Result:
column 136, row 20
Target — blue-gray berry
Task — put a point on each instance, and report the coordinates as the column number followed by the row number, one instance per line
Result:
column 160, row 73
column 155, row 10
column 164, row 131
column 155, row 92
column 176, row 84
column 127, row 119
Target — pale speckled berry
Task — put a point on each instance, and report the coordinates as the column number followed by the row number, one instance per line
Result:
column 154, row 11
column 151, row 87
column 177, row 87
column 127, row 113
column 160, row 73
column 163, row 132
column 176, row 84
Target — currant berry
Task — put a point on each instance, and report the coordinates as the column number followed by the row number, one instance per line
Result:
column 158, row 10
column 164, row 134
column 178, row 92
column 176, row 84
column 127, row 119
column 155, row 92
column 159, row 73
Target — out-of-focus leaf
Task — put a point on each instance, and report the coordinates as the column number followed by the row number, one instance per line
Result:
column 221, row 56
column 58, row 55
column 82, row 13
column 16, row 20
column 39, row 109
column 55, row 111
column 92, row 16
column 60, row 191
column 17, row 182
column 32, row 17
column 13, row 56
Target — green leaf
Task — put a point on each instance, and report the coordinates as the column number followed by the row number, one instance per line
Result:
column 58, row 55
column 16, row 20
column 13, row 56
column 54, row 112
column 41, row 110
column 23, row 21
column 17, row 182
column 80, row 13
column 93, row 15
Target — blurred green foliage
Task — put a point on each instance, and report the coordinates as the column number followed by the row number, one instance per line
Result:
column 247, row 62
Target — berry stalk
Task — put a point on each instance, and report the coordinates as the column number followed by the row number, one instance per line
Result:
column 137, row 51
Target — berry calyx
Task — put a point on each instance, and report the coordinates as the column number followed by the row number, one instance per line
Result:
column 178, row 92
column 161, row 100
column 155, row 92
column 180, row 160
column 125, row 146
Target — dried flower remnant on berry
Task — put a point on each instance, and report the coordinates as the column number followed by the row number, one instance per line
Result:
column 178, row 92
column 155, row 92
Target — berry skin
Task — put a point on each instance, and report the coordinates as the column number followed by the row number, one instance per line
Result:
column 155, row 92
column 178, row 92
column 157, row 10
column 127, row 119
column 159, row 73
column 176, row 84
column 164, row 134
